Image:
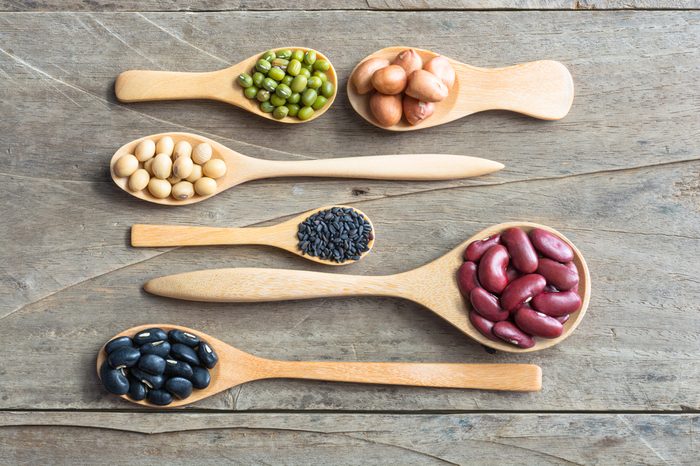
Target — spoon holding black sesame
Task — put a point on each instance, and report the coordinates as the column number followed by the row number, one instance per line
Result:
column 197, row 366
column 332, row 235
column 236, row 168
column 434, row 285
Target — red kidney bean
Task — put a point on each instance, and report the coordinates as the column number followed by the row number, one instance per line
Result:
column 563, row 318
column 522, row 253
column 551, row 246
column 486, row 304
column 505, row 330
column 521, row 289
column 476, row 249
column 467, row 278
column 563, row 276
column 557, row 304
column 492, row 269
column 538, row 324
column 482, row 324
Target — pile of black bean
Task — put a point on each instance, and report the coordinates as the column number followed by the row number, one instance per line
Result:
column 157, row 366
column 337, row 234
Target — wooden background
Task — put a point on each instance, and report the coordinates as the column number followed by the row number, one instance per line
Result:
column 620, row 176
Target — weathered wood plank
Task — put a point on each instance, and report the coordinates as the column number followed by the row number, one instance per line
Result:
column 68, row 280
column 637, row 348
column 353, row 439
column 267, row 5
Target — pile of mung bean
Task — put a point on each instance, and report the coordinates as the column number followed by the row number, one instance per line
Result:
column 157, row 366
column 169, row 168
column 289, row 83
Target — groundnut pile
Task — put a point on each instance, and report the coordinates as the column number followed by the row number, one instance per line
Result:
column 423, row 84
column 169, row 168
column 520, row 285
column 157, row 366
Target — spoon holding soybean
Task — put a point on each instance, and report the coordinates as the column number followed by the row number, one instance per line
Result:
column 542, row 89
column 433, row 285
column 242, row 168
column 282, row 235
column 236, row 367
column 146, row 85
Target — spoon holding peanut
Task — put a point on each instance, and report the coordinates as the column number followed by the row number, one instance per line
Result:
column 282, row 236
column 241, row 168
column 236, row 367
column 433, row 285
column 144, row 85
column 541, row 89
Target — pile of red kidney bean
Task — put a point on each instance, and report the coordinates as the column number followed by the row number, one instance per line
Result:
column 520, row 285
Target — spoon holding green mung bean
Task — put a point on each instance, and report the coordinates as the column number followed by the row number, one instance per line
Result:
column 231, row 85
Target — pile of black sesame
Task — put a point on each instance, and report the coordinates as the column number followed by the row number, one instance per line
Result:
column 337, row 234
column 157, row 366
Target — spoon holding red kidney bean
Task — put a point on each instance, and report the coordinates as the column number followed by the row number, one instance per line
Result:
column 520, row 285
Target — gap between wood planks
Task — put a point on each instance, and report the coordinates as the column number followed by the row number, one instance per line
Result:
column 684, row 410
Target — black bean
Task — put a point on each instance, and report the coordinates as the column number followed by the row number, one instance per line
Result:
column 118, row 343
column 174, row 368
column 150, row 335
column 200, row 377
column 114, row 380
column 126, row 356
column 152, row 364
column 159, row 348
column 137, row 390
column 207, row 355
column 178, row 336
column 180, row 387
column 159, row 397
column 154, row 382
column 184, row 353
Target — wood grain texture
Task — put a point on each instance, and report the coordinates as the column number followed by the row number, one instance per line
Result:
column 618, row 176
column 352, row 439
column 267, row 5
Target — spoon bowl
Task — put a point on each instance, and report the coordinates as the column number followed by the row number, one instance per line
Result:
column 282, row 235
column 542, row 89
column 241, row 168
column 143, row 85
column 236, row 367
column 433, row 285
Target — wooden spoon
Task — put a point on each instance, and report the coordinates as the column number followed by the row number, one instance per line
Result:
column 241, row 168
column 433, row 285
column 221, row 85
column 542, row 89
column 236, row 367
column 283, row 236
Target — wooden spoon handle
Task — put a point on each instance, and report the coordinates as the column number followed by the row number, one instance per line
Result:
column 514, row 377
column 174, row 235
column 541, row 89
column 142, row 85
column 384, row 167
column 255, row 285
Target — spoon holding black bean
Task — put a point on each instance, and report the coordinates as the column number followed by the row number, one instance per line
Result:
column 331, row 235
column 200, row 366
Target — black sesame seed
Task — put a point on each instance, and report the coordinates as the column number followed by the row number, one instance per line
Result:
column 337, row 234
